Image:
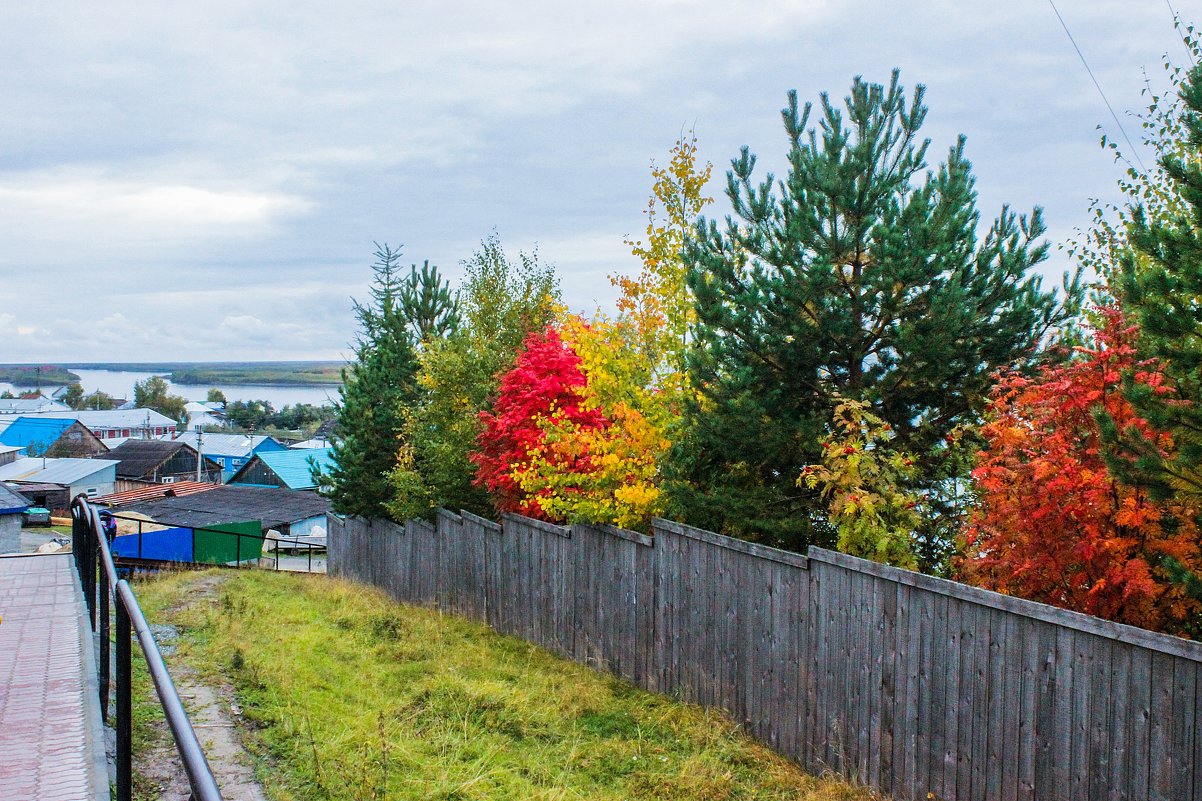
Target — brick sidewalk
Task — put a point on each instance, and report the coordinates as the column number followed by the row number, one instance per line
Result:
column 49, row 712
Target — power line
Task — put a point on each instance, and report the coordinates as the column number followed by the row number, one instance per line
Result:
column 1177, row 27
column 1134, row 150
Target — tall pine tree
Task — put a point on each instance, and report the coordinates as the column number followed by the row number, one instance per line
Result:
column 858, row 277
column 381, row 384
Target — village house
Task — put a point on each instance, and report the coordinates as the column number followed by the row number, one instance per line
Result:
column 33, row 405
column 231, row 451
column 286, row 468
column 52, row 483
column 203, row 415
column 54, row 437
column 120, row 424
column 155, row 461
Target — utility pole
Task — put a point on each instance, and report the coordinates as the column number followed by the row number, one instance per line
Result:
column 200, row 437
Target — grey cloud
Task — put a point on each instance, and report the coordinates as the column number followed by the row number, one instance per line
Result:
column 199, row 168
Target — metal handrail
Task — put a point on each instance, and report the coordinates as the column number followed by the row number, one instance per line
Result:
column 102, row 585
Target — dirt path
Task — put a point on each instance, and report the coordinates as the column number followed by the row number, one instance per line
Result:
column 214, row 716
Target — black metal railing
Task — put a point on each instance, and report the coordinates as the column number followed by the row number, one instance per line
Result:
column 102, row 586
column 295, row 544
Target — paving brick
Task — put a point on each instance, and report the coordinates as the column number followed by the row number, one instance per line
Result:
column 45, row 752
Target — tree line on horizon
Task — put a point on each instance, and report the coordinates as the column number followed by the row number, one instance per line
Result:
column 852, row 359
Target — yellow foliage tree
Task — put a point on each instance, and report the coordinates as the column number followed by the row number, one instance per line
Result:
column 861, row 479
column 635, row 370
column 657, row 301
column 615, row 469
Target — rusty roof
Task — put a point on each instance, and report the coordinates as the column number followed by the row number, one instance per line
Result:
column 154, row 492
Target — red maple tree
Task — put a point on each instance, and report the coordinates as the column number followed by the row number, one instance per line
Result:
column 1054, row 525
column 546, row 380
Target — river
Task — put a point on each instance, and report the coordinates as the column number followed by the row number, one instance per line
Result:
column 120, row 384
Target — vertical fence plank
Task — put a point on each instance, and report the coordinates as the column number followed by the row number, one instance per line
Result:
column 1185, row 724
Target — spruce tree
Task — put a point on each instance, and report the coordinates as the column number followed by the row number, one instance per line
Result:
column 858, row 277
column 377, row 388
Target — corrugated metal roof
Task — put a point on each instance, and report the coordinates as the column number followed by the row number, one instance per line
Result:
column 230, row 504
column 155, row 492
column 292, row 466
column 26, row 405
column 68, row 471
column 12, row 502
column 311, row 444
column 23, row 467
column 34, row 432
column 234, row 445
column 115, row 418
column 140, row 457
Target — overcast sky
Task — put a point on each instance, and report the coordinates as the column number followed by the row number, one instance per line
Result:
column 204, row 181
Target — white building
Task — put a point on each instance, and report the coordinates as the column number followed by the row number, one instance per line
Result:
column 25, row 406
column 120, row 423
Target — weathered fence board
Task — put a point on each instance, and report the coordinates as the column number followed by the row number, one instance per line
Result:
column 909, row 683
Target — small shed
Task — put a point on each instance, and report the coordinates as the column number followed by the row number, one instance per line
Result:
column 9, row 454
column 287, row 468
column 155, row 461
column 12, row 510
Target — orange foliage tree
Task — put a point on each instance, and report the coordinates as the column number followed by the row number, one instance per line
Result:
column 1054, row 525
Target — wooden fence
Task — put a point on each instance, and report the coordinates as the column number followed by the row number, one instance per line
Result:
column 908, row 683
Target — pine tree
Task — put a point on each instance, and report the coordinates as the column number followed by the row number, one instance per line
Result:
column 858, row 277
column 427, row 301
column 376, row 389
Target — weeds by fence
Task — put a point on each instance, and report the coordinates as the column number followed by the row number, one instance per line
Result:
column 907, row 683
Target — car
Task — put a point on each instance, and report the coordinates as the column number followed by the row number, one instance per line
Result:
column 37, row 516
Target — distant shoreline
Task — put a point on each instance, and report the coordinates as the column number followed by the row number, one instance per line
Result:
column 312, row 374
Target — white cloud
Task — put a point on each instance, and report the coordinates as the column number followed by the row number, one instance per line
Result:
column 70, row 198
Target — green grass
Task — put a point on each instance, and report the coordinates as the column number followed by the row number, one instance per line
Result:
column 351, row 696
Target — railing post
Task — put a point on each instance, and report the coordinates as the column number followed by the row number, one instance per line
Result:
column 238, row 550
column 77, row 537
column 124, row 705
column 104, row 643
column 89, row 571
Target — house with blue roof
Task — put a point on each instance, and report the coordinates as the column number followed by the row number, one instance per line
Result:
column 231, row 451
column 287, row 468
column 53, row 437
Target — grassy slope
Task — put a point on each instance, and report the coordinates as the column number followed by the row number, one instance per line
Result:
column 352, row 696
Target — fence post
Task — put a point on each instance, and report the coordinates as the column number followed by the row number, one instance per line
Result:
column 124, row 705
